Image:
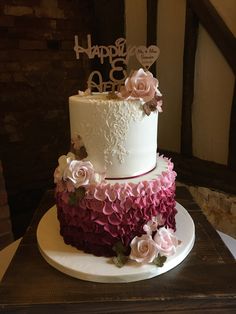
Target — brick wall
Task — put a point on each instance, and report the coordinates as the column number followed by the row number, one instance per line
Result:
column 38, row 71
column 6, row 236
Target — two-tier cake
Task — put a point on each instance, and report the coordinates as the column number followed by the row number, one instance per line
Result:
column 114, row 193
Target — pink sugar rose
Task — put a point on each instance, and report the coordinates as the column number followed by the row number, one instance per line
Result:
column 140, row 85
column 79, row 172
column 143, row 249
column 166, row 241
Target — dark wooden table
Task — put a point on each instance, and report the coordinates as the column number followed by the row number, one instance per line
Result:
column 205, row 282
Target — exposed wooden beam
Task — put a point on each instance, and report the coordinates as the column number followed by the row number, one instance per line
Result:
column 217, row 29
column 152, row 7
column 190, row 46
column 232, row 134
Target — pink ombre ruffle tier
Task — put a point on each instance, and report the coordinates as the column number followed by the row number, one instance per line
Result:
column 116, row 211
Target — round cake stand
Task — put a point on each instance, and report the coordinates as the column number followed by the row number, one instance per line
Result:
column 78, row 264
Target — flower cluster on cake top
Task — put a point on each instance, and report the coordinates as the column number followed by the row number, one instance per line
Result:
column 139, row 85
column 142, row 85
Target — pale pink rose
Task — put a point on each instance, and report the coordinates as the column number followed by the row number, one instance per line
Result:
column 166, row 241
column 79, row 172
column 143, row 249
column 140, row 85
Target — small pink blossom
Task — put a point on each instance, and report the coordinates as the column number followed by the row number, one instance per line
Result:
column 87, row 92
column 77, row 142
column 69, row 186
column 155, row 104
column 166, row 241
column 141, row 85
column 60, row 186
column 63, row 163
column 152, row 225
column 143, row 249
column 158, row 100
column 98, row 178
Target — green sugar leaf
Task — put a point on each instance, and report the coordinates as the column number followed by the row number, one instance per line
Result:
column 120, row 260
column 72, row 199
column 80, row 193
column 76, row 196
column 160, row 260
column 119, row 248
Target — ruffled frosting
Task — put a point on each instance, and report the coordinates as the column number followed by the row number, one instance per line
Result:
column 115, row 212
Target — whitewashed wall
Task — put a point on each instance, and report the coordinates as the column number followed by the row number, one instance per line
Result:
column 214, row 83
column 214, row 79
column 136, row 26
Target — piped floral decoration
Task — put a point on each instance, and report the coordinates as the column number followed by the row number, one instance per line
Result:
column 152, row 247
column 74, row 175
column 142, row 85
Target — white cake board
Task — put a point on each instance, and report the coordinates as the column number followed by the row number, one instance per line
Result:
column 78, row 264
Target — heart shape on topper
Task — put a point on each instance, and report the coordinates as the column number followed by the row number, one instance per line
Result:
column 147, row 55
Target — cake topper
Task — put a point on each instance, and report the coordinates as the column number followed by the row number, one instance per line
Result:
column 147, row 56
column 118, row 56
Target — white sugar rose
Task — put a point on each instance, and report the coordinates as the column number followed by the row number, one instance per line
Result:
column 79, row 172
column 166, row 241
column 140, row 85
column 63, row 163
column 143, row 249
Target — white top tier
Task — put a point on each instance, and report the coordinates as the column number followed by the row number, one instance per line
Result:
column 118, row 136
